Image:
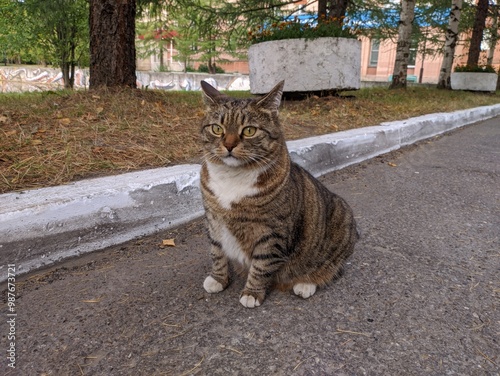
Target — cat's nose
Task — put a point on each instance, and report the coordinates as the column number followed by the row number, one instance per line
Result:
column 230, row 144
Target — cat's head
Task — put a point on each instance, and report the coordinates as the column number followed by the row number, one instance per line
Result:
column 241, row 132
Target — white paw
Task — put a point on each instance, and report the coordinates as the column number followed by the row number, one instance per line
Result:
column 304, row 290
column 249, row 301
column 212, row 286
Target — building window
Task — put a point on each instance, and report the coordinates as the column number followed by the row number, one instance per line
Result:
column 413, row 53
column 374, row 48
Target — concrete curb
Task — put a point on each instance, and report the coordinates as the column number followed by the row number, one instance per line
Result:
column 44, row 226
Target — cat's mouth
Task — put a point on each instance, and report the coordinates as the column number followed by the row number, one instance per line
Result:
column 232, row 161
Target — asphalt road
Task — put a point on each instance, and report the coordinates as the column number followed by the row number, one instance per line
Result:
column 420, row 296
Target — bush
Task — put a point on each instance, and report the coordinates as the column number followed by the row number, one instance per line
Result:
column 301, row 28
column 475, row 68
column 203, row 68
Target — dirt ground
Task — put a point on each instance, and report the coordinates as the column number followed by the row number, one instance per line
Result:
column 420, row 295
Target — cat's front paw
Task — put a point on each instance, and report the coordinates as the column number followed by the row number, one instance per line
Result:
column 212, row 286
column 249, row 301
column 304, row 290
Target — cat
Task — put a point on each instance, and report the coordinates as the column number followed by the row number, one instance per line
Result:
column 263, row 210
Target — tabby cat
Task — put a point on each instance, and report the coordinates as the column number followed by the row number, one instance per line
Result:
column 263, row 210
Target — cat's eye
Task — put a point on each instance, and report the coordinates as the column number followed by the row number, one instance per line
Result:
column 249, row 131
column 217, row 130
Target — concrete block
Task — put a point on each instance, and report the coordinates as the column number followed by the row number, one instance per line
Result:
column 305, row 64
column 474, row 81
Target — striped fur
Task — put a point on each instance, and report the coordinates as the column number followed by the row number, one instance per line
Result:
column 264, row 211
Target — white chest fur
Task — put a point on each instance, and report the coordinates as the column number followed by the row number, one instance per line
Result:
column 231, row 184
column 231, row 246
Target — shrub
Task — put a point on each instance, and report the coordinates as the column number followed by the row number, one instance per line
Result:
column 203, row 68
column 475, row 68
column 305, row 28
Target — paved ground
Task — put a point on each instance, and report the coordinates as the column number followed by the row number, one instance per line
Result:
column 420, row 296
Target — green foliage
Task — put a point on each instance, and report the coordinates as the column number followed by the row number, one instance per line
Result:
column 204, row 33
column 37, row 31
column 16, row 36
column 155, row 35
column 475, row 68
column 295, row 29
column 203, row 68
column 61, row 29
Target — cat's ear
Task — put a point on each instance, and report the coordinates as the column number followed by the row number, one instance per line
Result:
column 272, row 100
column 211, row 95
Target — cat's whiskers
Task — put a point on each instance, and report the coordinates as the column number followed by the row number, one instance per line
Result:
column 209, row 157
column 245, row 156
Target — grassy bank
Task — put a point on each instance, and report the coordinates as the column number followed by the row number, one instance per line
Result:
column 53, row 138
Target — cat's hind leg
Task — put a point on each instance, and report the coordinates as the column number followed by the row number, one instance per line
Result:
column 304, row 290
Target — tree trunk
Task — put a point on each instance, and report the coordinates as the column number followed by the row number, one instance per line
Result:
column 112, row 43
column 477, row 33
column 337, row 10
column 65, row 69
column 211, row 66
column 162, row 60
column 403, row 46
column 450, row 44
column 322, row 9
column 72, row 60
column 494, row 34
column 332, row 9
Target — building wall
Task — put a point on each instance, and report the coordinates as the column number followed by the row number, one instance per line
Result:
column 427, row 66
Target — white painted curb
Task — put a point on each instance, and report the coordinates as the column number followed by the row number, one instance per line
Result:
column 326, row 153
column 40, row 227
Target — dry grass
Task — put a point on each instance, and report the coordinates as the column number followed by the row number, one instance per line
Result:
column 54, row 138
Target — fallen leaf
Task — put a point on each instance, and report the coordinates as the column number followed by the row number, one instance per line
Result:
column 168, row 242
column 3, row 119
column 99, row 110
column 89, row 117
column 65, row 121
column 36, row 142
column 11, row 133
column 96, row 96
column 392, row 164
